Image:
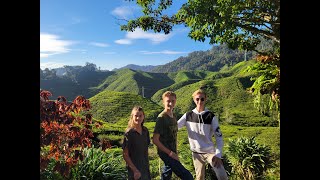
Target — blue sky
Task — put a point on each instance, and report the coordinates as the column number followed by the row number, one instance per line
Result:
column 73, row 32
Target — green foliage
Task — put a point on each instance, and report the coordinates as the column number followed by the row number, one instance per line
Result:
column 249, row 159
column 240, row 24
column 266, row 81
column 98, row 164
column 49, row 172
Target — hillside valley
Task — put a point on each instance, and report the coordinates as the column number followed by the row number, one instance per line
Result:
column 113, row 93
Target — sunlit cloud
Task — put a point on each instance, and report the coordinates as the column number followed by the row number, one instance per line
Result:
column 163, row 52
column 51, row 44
column 44, row 55
column 122, row 12
column 51, row 65
column 99, row 44
column 155, row 38
column 123, row 41
column 140, row 34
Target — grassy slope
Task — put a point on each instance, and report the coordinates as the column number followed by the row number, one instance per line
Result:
column 121, row 81
column 115, row 107
column 227, row 97
column 127, row 80
column 152, row 82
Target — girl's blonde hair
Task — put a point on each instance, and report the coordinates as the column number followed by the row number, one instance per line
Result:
column 130, row 122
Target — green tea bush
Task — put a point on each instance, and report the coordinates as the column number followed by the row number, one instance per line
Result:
column 249, row 160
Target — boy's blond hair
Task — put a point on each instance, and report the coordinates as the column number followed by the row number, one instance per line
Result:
column 199, row 91
column 169, row 93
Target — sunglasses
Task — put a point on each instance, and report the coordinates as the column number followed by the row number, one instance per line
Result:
column 197, row 99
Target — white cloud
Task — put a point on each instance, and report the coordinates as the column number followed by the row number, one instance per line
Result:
column 44, row 55
column 51, row 65
column 99, row 44
column 155, row 38
column 122, row 12
column 51, row 44
column 163, row 52
column 123, row 41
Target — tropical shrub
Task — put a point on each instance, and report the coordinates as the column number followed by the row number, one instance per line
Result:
column 65, row 129
column 99, row 164
column 249, row 160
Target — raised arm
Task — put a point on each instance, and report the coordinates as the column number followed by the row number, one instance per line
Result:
column 182, row 121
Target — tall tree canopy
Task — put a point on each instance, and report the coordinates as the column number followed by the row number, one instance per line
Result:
column 241, row 24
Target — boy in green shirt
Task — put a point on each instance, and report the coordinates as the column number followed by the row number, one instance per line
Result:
column 165, row 138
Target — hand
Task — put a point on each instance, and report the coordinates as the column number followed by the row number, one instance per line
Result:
column 174, row 155
column 216, row 162
column 136, row 174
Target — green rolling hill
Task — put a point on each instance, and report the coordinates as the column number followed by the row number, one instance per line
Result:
column 115, row 107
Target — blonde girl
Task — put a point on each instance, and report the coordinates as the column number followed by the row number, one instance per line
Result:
column 135, row 146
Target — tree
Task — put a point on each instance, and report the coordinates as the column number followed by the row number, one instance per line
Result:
column 90, row 67
column 237, row 23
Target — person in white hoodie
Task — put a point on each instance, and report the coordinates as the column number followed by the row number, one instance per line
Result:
column 201, row 125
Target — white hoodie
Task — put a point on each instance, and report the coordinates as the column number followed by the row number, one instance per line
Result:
column 201, row 126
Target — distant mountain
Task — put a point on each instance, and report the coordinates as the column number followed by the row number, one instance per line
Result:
column 147, row 68
column 211, row 60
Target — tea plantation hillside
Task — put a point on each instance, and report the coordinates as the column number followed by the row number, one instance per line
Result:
column 128, row 80
column 115, row 107
column 227, row 96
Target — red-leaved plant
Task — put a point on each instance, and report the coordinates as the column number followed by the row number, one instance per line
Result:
column 65, row 129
